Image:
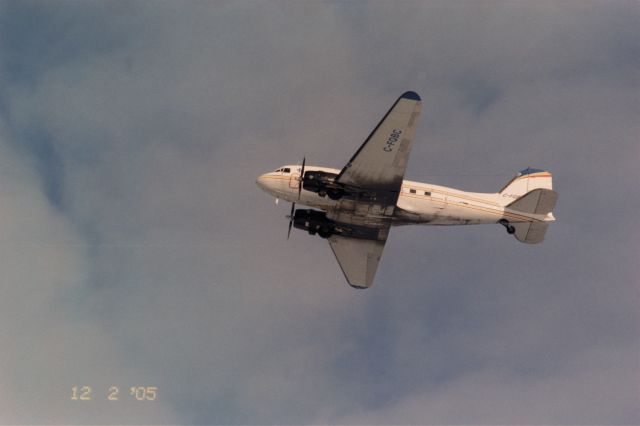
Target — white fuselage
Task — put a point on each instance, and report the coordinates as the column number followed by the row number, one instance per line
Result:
column 418, row 203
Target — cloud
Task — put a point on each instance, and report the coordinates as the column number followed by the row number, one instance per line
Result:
column 52, row 344
column 132, row 137
column 502, row 396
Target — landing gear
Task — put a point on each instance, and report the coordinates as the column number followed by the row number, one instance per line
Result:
column 506, row 224
column 315, row 222
column 334, row 194
column 322, row 231
column 325, row 232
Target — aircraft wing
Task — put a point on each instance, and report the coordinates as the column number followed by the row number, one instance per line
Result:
column 381, row 161
column 358, row 258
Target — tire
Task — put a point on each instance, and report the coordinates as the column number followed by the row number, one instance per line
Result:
column 325, row 232
column 334, row 195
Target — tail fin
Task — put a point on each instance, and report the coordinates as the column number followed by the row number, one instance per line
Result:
column 530, row 192
column 525, row 181
column 539, row 202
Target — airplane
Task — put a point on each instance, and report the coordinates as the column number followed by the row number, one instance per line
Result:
column 355, row 207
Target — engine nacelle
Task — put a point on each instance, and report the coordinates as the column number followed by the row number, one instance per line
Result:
column 323, row 183
column 314, row 221
column 317, row 222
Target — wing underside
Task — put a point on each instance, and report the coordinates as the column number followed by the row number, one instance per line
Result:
column 381, row 161
column 358, row 258
column 376, row 169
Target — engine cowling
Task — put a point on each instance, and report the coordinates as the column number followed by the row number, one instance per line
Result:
column 314, row 221
column 323, row 183
column 317, row 222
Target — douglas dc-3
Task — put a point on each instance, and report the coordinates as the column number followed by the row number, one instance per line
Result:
column 359, row 204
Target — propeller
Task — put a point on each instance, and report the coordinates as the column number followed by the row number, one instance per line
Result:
column 293, row 208
column 304, row 159
column 293, row 204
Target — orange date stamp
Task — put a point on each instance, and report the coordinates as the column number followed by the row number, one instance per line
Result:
column 114, row 393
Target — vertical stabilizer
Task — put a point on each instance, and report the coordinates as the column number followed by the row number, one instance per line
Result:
column 529, row 200
column 525, row 181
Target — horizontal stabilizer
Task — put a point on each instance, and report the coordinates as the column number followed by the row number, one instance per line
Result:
column 530, row 232
column 538, row 201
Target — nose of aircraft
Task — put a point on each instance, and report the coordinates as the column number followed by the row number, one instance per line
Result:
column 261, row 181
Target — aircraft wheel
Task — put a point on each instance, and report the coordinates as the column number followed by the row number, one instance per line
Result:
column 511, row 229
column 334, row 195
column 325, row 232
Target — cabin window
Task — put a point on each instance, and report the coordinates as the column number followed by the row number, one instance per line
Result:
column 287, row 170
column 427, row 193
column 413, row 191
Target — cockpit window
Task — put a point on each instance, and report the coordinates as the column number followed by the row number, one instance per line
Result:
column 287, row 170
column 279, row 170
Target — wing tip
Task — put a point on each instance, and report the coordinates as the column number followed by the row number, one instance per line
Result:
column 359, row 287
column 411, row 95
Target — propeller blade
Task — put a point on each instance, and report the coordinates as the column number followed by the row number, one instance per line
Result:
column 293, row 207
column 304, row 159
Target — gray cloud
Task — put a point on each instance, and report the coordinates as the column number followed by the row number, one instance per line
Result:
column 132, row 134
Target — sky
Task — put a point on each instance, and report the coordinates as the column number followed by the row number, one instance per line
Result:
column 137, row 251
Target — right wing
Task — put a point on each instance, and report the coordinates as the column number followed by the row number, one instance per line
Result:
column 380, row 163
column 358, row 258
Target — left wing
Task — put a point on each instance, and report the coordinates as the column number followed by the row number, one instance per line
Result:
column 358, row 258
column 380, row 162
